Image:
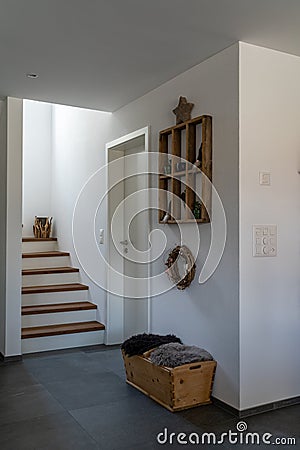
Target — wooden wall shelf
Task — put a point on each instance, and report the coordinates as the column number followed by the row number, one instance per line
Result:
column 181, row 144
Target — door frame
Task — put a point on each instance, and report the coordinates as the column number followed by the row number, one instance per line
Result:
column 112, row 304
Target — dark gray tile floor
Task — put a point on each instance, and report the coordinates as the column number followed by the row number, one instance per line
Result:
column 78, row 400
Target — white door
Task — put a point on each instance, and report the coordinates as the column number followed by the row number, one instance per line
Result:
column 128, row 230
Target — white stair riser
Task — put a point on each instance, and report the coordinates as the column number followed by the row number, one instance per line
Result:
column 36, row 320
column 55, row 297
column 53, row 278
column 49, row 261
column 43, row 344
column 43, row 246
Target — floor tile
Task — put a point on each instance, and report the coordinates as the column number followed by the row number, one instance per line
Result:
column 15, row 375
column 284, row 421
column 101, row 348
column 28, row 402
column 57, row 368
column 206, row 415
column 253, row 425
column 129, row 423
column 174, row 445
column 89, row 390
column 51, row 432
column 111, row 359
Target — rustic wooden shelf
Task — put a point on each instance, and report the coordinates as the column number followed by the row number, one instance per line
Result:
column 186, row 221
column 181, row 143
column 183, row 173
column 179, row 174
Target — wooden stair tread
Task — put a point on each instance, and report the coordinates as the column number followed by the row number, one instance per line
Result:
column 49, row 270
column 44, row 254
column 33, row 239
column 57, row 307
column 66, row 328
column 54, row 288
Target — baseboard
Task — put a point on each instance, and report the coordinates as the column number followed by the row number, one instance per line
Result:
column 257, row 409
column 10, row 359
column 225, row 406
column 85, row 349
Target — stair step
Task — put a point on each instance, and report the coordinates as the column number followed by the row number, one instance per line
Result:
column 54, row 288
column 44, row 254
column 33, row 245
column 49, row 270
column 67, row 328
column 55, row 297
column 57, row 308
column 33, row 239
column 58, row 342
column 45, row 276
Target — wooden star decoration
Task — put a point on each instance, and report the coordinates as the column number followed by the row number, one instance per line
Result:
column 183, row 110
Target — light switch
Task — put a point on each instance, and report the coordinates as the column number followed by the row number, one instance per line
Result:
column 264, row 178
column 101, row 236
column 264, row 240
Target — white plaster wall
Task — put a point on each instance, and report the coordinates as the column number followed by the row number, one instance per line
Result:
column 78, row 150
column 3, row 192
column 206, row 315
column 13, row 227
column 269, row 287
column 37, row 136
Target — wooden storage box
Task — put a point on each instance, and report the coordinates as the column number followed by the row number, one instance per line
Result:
column 175, row 388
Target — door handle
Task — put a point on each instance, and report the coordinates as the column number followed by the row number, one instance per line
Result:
column 124, row 242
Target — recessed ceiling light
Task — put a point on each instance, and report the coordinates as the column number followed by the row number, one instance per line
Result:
column 32, row 75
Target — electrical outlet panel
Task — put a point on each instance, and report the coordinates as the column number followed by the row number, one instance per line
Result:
column 265, row 240
column 264, row 178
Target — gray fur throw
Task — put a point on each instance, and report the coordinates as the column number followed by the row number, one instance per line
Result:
column 173, row 355
column 140, row 343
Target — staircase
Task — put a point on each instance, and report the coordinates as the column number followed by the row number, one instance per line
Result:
column 56, row 311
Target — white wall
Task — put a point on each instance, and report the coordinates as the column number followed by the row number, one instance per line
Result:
column 269, row 287
column 3, row 193
column 37, row 144
column 78, row 150
column 13, row 227
column 206, row 315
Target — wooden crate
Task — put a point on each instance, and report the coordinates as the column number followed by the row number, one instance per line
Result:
column 175, row 388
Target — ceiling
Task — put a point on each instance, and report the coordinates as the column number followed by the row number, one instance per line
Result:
column 102, row 54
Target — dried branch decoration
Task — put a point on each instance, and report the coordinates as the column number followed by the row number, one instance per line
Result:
column 42, row 227
column 173, row 270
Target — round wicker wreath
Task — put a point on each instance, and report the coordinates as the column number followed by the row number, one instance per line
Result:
column 173, row 270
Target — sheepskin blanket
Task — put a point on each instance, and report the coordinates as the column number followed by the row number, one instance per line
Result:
column 173, row 355
column 140, row 343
